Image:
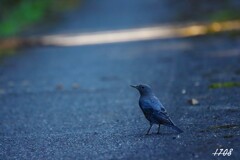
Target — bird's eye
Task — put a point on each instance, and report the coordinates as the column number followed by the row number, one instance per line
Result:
column 142, row 87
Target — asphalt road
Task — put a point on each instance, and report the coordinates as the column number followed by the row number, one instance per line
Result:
column 76, row 102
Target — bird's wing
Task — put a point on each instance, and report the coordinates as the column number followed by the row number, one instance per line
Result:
column 152, row 107
column 157, row 116
column 151, row 102
column 162, row 117
column 148, row 107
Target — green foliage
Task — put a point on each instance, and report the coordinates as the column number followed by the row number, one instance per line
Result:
column 216, row 128
column 224, row 85
column 225, row 15
column 24, row 13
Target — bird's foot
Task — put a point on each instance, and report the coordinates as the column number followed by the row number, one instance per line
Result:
column 158, row 133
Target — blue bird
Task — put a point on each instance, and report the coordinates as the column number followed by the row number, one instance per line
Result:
column 152, row 108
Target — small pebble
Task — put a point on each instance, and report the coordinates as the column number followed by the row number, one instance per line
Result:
column 196, row 156
column 193, row 101
column 59, row 87
column 196, row 84
column 75, row 85
column 176, row 137
column 183, row 91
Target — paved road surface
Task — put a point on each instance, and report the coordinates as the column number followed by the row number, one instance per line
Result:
column 76, row 103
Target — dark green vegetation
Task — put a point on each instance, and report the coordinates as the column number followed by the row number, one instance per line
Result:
column 228, row 136
column 225, row 15
column 224, row 85
column 216, row 128
column 18, row 15
column 212, row 11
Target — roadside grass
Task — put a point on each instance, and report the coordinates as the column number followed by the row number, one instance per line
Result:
column 25, row 13
column 224, row 85
column 21, row 15
column 225, row 15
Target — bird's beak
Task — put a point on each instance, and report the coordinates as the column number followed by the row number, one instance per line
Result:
column 134, row 86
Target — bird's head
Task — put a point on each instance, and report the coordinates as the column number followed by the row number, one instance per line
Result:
column 143, row 89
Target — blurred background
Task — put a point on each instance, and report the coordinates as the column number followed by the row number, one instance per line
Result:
column 27, row 18
column 66, row 67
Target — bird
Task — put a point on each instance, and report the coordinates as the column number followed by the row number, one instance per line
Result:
column 153, row 109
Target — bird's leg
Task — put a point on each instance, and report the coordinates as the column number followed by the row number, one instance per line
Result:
column 158, row 129
column 149, row 129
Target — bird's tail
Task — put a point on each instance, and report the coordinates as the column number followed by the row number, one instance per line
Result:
column 176, row 128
